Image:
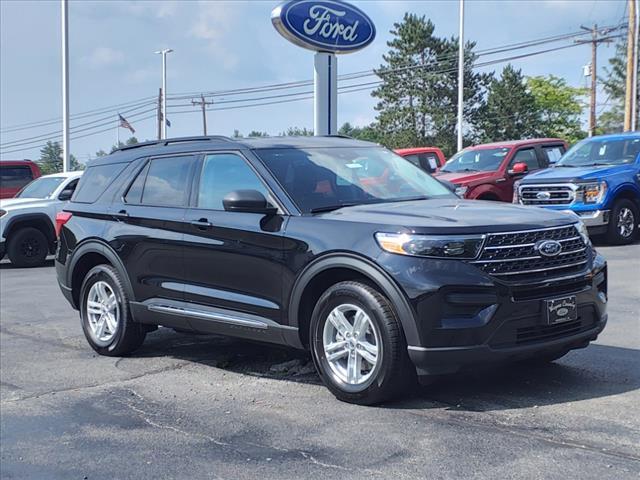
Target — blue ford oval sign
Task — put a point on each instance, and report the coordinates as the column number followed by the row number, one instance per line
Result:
column 324, row 25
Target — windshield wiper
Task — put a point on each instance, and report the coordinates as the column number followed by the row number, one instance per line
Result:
column 331, row 208
column 599, row 164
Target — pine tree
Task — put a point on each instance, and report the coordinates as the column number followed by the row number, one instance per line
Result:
column 511, row 112
column 419, row 93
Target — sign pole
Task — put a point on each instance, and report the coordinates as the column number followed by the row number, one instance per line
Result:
column 325, row 99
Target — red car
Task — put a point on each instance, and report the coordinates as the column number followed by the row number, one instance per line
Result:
column 15, row 174
column 429, row 159
column 488, row 171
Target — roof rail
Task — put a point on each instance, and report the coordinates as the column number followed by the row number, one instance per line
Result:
column 175, row 140
column 337, row 135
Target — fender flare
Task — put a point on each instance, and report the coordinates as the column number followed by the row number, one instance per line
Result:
column 366, row 267
column 623, row 189
column 483, row 189
column 27, row 217
column 95, row 245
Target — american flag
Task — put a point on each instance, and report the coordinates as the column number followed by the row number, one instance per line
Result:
column 125, row 124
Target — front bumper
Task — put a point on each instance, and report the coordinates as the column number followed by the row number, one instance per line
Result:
column 2, row 250
column 593, row 219
column 464, row 317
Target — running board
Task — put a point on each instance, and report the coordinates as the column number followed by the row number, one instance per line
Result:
column 216, row 315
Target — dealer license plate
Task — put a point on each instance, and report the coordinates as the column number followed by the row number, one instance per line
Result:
column 563, row 309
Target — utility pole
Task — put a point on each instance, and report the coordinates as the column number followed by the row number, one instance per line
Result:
column 64, row 10
column 203, row 103
column 596, row 39
column 460, row 74
column 634, row 96
column 632, row 70
column 159, row 114
column 164, row 89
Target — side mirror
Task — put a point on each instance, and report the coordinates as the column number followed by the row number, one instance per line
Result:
column 518, row 169
column 248, row 201
column 65, row 195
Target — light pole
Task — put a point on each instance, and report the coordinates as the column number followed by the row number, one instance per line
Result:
column 64, row 11
column 460, row 74
column 164, row 89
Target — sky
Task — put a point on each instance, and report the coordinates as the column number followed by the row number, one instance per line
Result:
column 222, row 45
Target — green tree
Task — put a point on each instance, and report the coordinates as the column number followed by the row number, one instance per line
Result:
column 370, row 133
column 614, row 83
column 129, row 141
column 511, row 112
column 297, row 132
column 51, row 159
column 237, row 134
column 101, row 153
column 418, row 95
column 559, row 107
column 256, row 133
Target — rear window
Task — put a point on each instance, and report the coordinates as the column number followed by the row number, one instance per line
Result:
column 14, row 176
column 95, row 181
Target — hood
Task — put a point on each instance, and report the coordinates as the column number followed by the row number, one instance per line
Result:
column 464, row 178
column 440, row 216
column 23, row 202
column 573, row 174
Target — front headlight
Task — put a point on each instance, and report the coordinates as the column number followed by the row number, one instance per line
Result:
column 460, row 190
column 436, row 246
column 516, row 187
column 582, row 230
column 592, row 192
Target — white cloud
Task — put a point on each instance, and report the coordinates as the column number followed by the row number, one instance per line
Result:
column 216, row 22
column 104, row 57
column 161, row 9
column 142, row 75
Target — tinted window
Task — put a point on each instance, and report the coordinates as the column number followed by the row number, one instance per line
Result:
column 223, row 173
column 482, row 159
column 413, row 158
column 527, row 156
column 95, row 181
column 167, row 180
column 14, row 176
column 134, row 195
column 429, row 162
column 553, row 153
column 602, row 151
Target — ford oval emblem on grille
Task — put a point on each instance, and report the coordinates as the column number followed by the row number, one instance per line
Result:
column 543, row 195
column 548, row 248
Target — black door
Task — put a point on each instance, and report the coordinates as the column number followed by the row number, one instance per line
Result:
column 233, row 260
column 149, row 228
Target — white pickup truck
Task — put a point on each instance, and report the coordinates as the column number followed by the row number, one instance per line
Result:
column 27, row 222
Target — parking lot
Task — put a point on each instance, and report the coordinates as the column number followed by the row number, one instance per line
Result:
column 197, row 407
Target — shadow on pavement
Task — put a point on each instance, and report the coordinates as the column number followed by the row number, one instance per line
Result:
column 594, row 372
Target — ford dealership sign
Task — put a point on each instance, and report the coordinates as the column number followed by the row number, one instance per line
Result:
column 324, row 25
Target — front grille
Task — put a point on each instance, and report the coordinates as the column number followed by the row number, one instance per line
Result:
column 540, row 333
column 546, row 195
column 514, row 255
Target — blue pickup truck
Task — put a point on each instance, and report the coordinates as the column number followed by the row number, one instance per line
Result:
column 599, row 180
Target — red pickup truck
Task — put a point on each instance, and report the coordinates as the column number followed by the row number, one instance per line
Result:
column 488, row 171
column 428, row 159
column 15, row 174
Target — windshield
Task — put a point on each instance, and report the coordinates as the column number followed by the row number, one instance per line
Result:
column 327, row 178
column 591, row 152
column 43, row 187
column 482, row 160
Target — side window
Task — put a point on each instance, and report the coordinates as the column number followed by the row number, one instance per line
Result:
column 223, row 173
column 15, row 176
column 414, row 159
column 528, row 156
column 95, row 181
column 553, row 153
column 134, row 195
column 429, row 162
column 166, row 181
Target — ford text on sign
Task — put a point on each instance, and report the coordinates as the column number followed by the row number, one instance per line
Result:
column 324, row 25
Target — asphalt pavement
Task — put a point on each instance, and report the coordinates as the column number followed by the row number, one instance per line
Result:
column 206, row 407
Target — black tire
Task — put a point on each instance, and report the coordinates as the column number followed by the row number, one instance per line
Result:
column 614, row 234
column 393, row 368
column 545, row 358
column 27, row 247
column 128, row 335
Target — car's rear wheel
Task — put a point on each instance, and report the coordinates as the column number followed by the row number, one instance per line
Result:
column 357, row 344
column 105, row 315
column 27, row 247
column 623, row 223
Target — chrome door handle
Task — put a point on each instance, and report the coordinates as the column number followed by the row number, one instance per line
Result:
column 201, row 223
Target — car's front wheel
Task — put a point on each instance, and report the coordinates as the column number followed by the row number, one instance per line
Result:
column 623, row 223
column 357, row 344
column 27, row 247
column 105, row 315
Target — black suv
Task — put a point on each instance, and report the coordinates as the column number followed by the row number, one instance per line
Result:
column 328, row 244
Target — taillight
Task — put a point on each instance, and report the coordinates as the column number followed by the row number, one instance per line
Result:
column 61, row 219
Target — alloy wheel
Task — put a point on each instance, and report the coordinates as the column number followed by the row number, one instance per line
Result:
column 626, row 222
column 351, row 344
column 103, row 313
